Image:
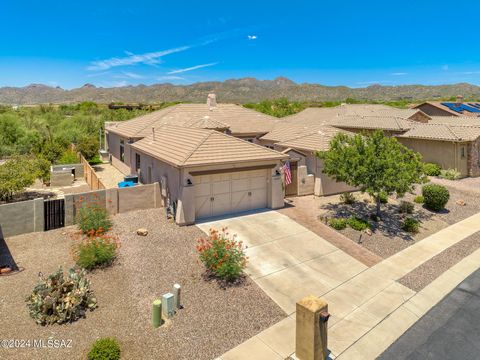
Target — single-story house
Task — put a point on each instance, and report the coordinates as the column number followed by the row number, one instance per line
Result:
column 450, row 146
column 208, row 173
column 301, row 142
column 232, row 119
column 448, row 108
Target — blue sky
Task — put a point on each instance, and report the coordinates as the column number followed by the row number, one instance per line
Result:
column 354, row 43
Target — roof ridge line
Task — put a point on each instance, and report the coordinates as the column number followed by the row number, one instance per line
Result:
column 210, row 132
column 248, row 142
column 451, row 131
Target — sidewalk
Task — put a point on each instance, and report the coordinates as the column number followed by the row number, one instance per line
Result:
column 360, row 305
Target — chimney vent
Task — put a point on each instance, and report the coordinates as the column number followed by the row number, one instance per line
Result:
column 153, row 133
column 459, row 100
column 211, row 101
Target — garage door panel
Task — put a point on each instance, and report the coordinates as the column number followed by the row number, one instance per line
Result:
column 240, row 185
column 258, row 182
column 258, row 199
column 240, row 201
column 221, row 187
column 222, row 204
column 203, row 206
column 203, row 189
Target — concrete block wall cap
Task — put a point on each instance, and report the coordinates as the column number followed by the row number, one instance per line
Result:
column 312, row 303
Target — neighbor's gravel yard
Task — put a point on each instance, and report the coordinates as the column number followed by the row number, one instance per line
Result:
column 213, row 321
column 423, row 275
column 388, row 237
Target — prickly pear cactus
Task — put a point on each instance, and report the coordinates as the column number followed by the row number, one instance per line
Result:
column 60, row 298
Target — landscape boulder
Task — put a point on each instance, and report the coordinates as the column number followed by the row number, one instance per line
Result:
column 461, row 202
column 142, row 232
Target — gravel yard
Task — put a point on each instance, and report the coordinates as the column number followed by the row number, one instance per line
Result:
column 436, row 266
column 388, row 237
column 213, row 321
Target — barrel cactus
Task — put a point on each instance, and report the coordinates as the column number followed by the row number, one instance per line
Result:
column 60, row 298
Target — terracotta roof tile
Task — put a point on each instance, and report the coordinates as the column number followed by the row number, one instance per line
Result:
column 184, row 147
column 444, row 132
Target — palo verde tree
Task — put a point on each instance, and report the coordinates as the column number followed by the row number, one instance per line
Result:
column 374, row 163
column 18, row 173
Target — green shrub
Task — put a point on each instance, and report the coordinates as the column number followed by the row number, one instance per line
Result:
column 223, row 256
column 338, row 223
column 406, row 207
column 411, row 225
column 68, row 157
column 104, row 349
column 450, row 174
column 383, row 197
column 357, row 223
column 93, row 220
column 435, row 196
column 61, row 299
column 347, row 198
column 432, row 169
column 96, row 252
column 419, row 199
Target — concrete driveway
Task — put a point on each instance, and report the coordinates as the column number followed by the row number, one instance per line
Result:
column 287, row 260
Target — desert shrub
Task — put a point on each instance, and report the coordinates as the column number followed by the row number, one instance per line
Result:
column 95, row 252
column 357, row 223
column 383, row 197
column 68, row 157
column 435, row 196
column 338, row 223
column 406, row 207
column 432, row 169
column 222, row 255
column 347, row 198
column 104, row 349
column 411, row 225
column 93, row 220
column 450, row 174
column 419, row 199
column 60, row 298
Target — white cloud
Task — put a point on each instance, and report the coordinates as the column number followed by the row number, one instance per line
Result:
column 252, row 37
column 399, row 74
column 151, row 58
column 191, row 68
column 374, row 82
column 129, row 75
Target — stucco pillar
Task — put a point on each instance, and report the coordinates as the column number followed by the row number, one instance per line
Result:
column 311, row 329
column 186, row 206
column 276, row 192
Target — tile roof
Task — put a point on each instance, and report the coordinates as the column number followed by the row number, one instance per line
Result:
column 375, row 110
column 455, row 120
column 444, row 132
column 287, row 131
column 388, row 123
column 206, row 123
column 238, row 119
column 185, row 147
column 314, row 141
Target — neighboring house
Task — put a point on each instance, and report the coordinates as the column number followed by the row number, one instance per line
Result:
column 450, row 146
column 207, row 173
column 452, row 142
column 446, row 108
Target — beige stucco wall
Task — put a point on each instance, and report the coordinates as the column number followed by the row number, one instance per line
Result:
column 114, row 150
column 446, row 154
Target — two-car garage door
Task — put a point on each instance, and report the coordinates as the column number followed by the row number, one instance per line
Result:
column 226, row 193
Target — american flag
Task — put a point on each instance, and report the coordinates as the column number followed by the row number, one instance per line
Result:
column 287, row 173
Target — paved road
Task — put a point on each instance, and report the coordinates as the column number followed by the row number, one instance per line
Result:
column 450, row 330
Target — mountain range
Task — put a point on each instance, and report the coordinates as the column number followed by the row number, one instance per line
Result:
column 234, row 90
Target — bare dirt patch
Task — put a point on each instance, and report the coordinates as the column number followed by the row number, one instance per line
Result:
column 213, row 321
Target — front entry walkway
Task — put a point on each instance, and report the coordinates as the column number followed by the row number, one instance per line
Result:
column 289, row 262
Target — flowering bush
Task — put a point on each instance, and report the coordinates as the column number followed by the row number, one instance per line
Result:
column 93, row 220
column 96, row 251
column 222, row 256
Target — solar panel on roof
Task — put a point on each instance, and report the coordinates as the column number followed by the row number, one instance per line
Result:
column 476, row 105
column 461, row 107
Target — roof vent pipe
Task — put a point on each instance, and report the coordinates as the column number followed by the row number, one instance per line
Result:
column 211, row 101
column 153, row 133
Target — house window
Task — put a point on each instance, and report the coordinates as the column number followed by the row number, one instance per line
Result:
column 122, row 150
column 462, row 152
column 137, row 162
